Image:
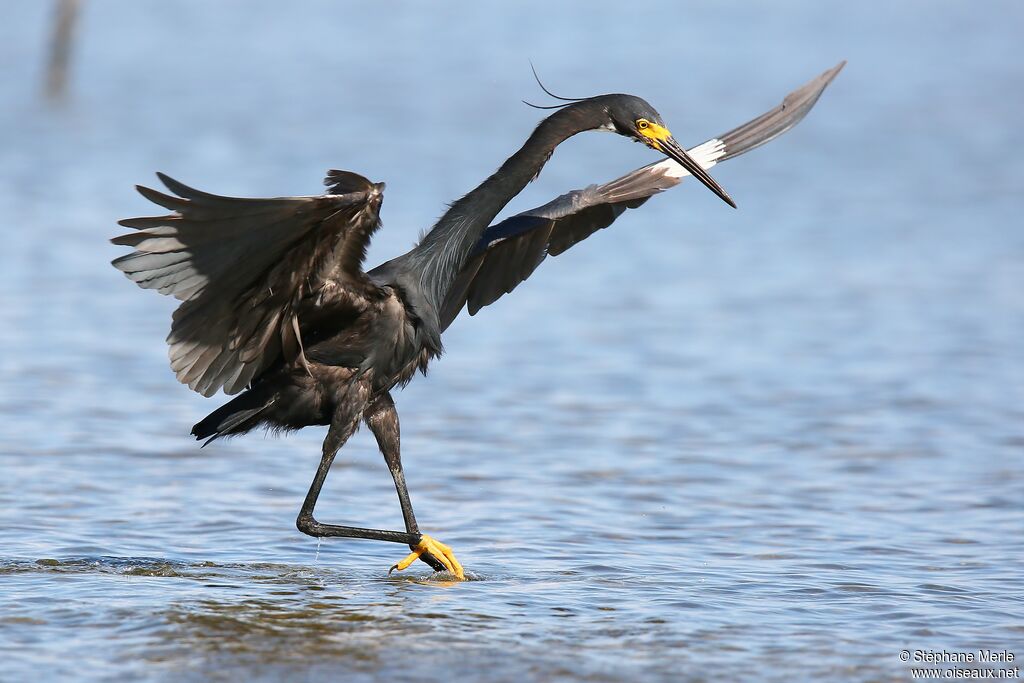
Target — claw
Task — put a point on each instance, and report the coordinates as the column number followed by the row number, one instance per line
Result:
column 437, row 549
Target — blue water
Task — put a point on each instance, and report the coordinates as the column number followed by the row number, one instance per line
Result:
column 772, row 444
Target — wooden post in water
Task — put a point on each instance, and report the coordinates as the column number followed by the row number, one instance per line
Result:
column 60, row 48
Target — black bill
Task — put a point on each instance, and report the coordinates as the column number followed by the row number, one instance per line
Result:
column 672, row 149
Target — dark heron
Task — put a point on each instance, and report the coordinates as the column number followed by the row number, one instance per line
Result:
column 276, row 304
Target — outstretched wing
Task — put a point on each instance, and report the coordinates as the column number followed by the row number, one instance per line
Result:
column 511, row 250
column 242, row 267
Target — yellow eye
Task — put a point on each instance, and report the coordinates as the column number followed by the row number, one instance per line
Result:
column 641, row 124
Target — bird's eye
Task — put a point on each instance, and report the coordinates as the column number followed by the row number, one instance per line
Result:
column 641, row 124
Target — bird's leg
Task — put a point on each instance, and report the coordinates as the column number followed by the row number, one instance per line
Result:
column 382, row 418
column 337, row 435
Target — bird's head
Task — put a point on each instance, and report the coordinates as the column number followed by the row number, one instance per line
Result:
column 634, row 118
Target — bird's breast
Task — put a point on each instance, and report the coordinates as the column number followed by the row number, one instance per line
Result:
column 383, row 342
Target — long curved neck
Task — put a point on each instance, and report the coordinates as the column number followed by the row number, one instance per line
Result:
column 484, row 202
column 444, row 251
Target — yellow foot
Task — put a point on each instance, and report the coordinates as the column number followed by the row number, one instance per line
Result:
column 439, row 550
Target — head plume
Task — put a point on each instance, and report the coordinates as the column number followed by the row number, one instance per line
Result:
column 567, row 100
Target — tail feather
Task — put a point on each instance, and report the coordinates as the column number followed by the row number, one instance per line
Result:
column 237, row 416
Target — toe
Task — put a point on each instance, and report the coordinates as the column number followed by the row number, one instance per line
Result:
column 407, row 561
column 445, row 555
column 431, row 548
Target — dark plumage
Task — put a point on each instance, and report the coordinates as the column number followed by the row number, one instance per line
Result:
column 275, row 300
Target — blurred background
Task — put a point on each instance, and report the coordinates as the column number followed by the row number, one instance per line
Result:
column 766, row 444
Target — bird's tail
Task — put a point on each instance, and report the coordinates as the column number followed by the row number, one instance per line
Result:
column 237, row 416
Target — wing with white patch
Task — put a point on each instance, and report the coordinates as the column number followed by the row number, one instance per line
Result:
column 242, row 267
column 511, row 250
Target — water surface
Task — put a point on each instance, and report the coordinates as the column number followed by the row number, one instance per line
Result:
column 778, row 443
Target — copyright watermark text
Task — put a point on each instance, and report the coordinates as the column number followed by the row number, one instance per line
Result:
column 962, row 664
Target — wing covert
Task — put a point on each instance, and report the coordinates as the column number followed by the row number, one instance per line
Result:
column 241, row 268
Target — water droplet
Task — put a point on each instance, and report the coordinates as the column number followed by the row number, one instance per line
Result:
column 317, row 558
